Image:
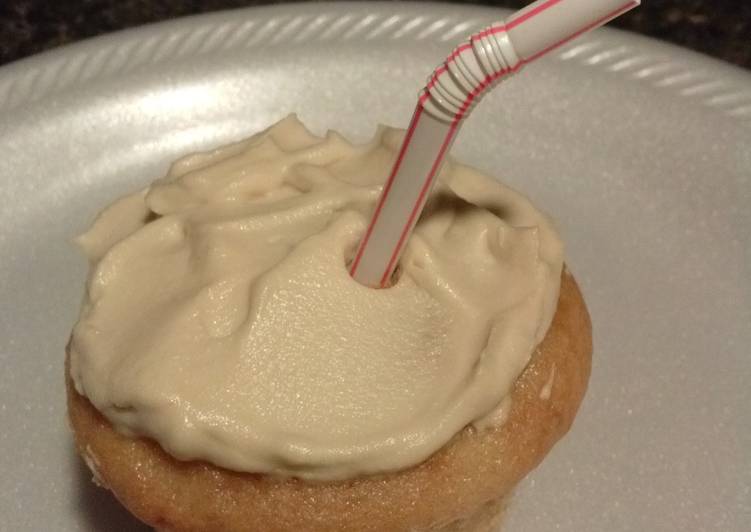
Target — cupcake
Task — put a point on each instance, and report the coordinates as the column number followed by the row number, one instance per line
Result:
column 226, row 372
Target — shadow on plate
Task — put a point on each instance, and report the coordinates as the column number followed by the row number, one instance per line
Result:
column 99, row 508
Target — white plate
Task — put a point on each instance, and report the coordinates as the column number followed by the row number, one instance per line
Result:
column 640, row 150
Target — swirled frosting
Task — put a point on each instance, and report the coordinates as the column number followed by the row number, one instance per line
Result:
column 221, row 321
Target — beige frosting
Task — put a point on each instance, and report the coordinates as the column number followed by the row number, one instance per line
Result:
column 221, row 321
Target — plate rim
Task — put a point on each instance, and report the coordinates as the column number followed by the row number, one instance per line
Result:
column 715, row 84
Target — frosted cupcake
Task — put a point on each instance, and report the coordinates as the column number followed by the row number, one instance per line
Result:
column 227, row 373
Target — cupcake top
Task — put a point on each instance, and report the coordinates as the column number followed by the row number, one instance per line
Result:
column 221, row 321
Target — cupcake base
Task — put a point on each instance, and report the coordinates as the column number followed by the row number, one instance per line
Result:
column 462, row 487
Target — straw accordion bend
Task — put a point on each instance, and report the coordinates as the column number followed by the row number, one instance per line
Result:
column 489, row 55
column 474, row 66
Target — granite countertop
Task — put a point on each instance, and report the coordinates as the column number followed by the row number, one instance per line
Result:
column 721, row 28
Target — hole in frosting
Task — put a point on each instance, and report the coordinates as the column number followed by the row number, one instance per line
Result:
column 394, row 279
column 349, row 257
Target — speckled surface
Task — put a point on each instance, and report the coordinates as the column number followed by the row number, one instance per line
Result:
column 721, row 28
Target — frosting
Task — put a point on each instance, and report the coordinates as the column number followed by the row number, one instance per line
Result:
column 221, row 321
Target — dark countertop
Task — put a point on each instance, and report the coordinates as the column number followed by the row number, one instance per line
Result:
column 721, row 28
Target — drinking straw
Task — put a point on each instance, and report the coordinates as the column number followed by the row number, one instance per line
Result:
column 451, row 92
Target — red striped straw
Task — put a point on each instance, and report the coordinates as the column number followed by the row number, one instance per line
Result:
column 449, row 96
